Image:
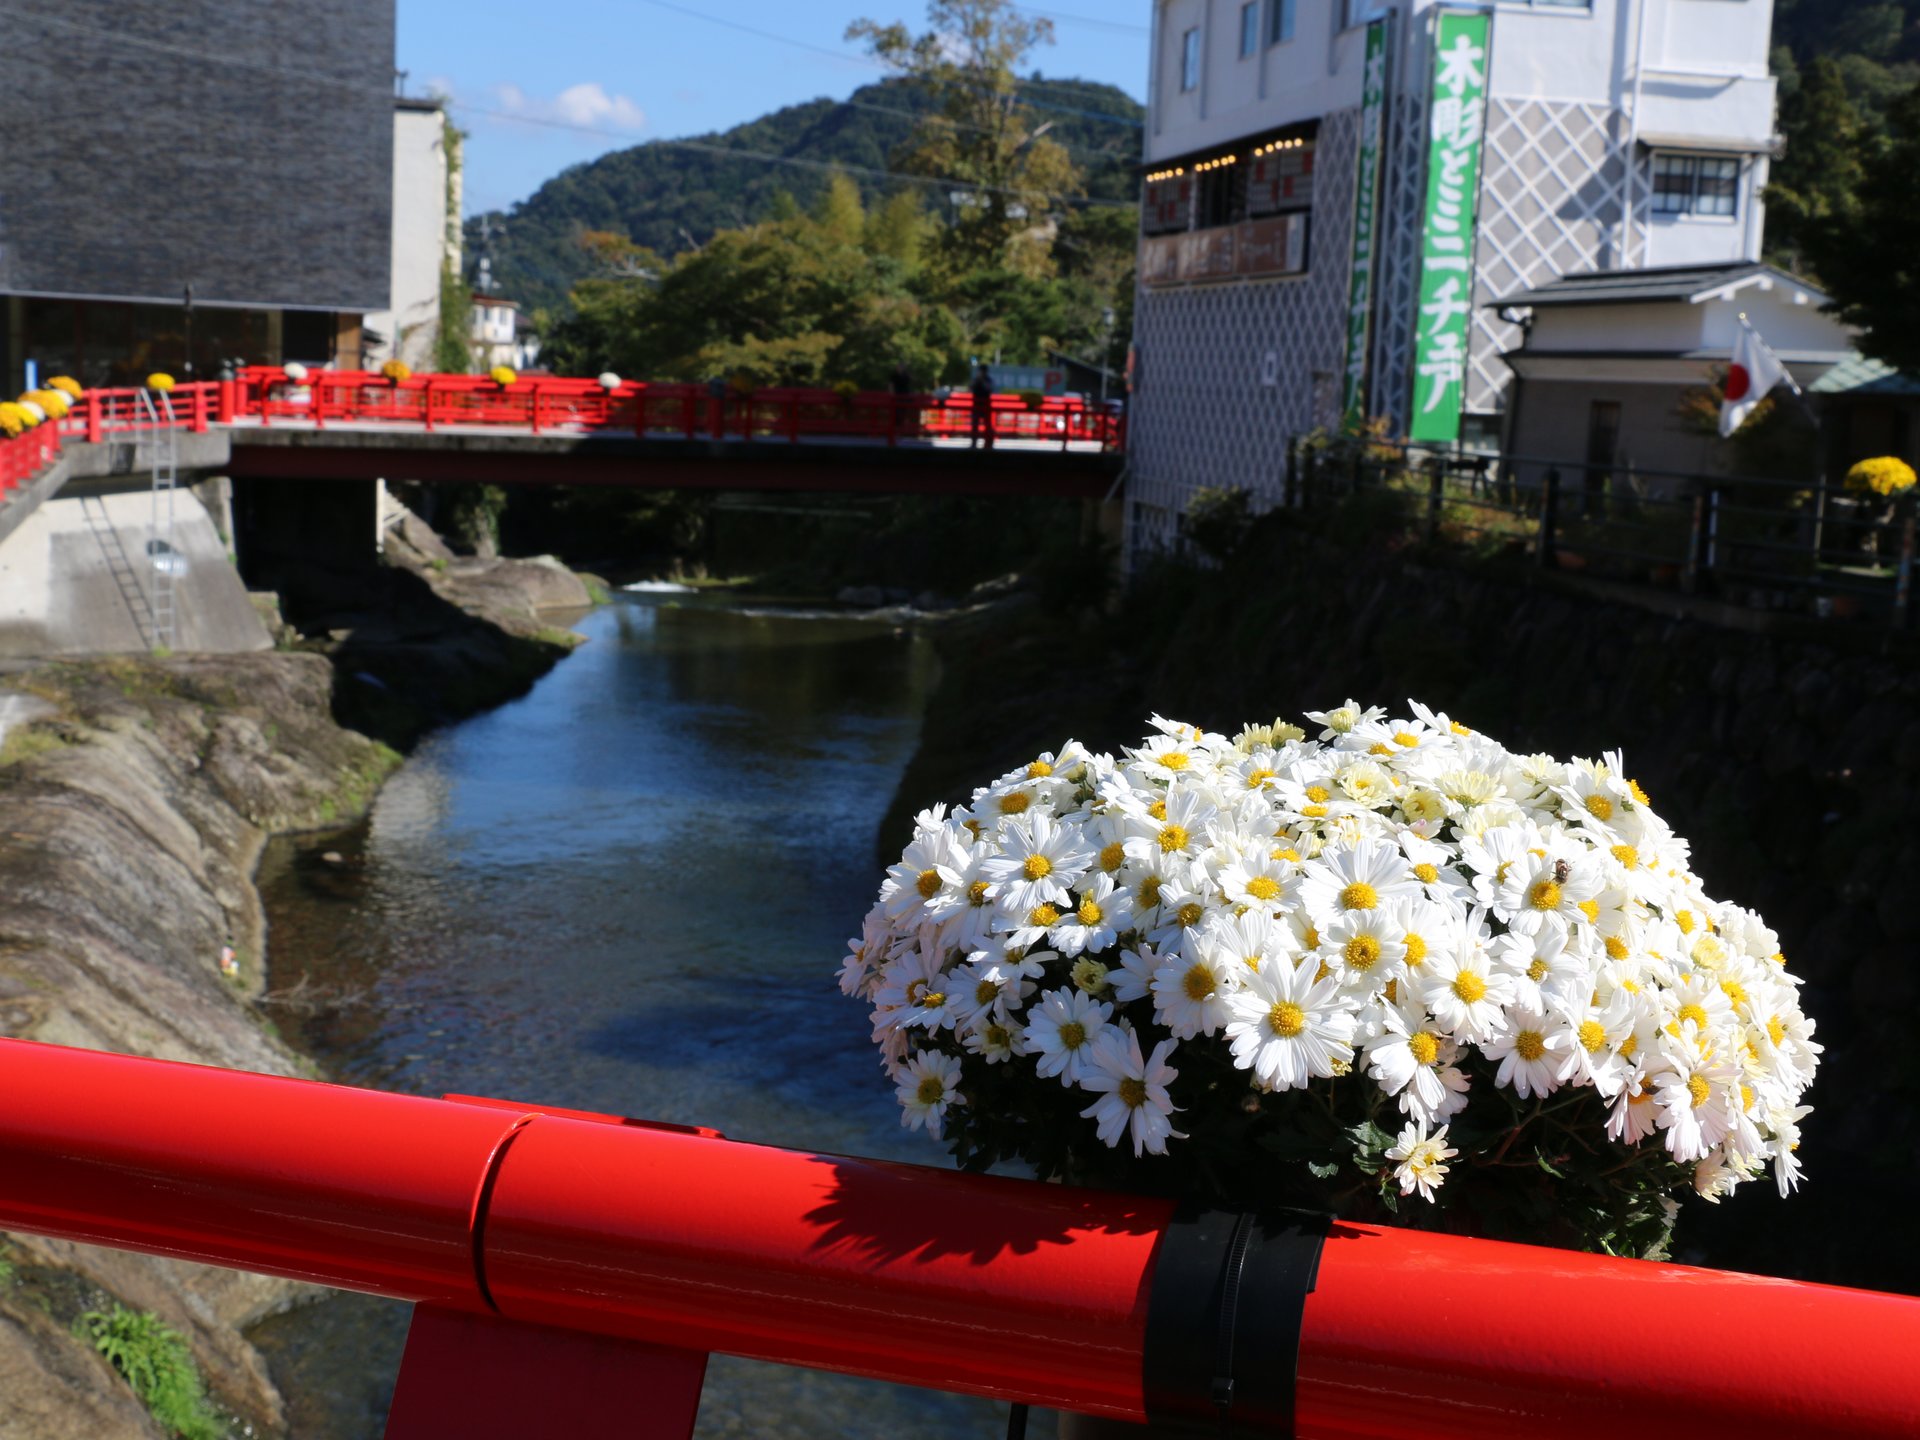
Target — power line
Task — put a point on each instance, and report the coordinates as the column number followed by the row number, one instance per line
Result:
column 769, row 157
column 745, row 29
column 1120, row 25
column 319, row 77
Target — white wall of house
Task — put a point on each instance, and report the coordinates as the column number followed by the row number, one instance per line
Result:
column 421, row 226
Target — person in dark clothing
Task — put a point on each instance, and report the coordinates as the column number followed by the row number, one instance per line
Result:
column 982, row 408
column 902, row 379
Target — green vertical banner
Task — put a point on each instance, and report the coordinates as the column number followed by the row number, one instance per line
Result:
column 1366, row 219
column 1457, row 121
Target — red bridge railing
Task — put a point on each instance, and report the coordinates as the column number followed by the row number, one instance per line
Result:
column 558, row 1256
column 541, row 405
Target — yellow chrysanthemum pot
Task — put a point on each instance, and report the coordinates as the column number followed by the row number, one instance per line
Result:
column 1884, row 475
column 503, row 375
column 67, row 386
column 397, row 370
column 160, row 381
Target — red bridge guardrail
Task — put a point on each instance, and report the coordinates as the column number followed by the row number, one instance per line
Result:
column 588, row 1230
column 543, row 404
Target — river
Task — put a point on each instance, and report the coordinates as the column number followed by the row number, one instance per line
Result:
column 627, row 891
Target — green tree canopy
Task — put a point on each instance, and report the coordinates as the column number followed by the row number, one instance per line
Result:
column 1865, row 253
column 981, row 132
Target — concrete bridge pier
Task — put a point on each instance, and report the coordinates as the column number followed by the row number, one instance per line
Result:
column 307, row 539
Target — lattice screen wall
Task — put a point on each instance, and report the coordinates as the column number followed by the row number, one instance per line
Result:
column 1397, row 298
column 1553, row 203
column 1201, row 414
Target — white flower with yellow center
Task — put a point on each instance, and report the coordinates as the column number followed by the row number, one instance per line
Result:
column 1287, row 1029
column 1040, row 858
column 1259, row 880
column 1166, row 758
column 1190, row 991
column 1542, row 967
column 1133, row 1092
column 997, row 1041
column 1545, row 890
column 926, row 884
column 1098, row 912
column 1696, row 1104
column 1182, row 913
column 1594, row 1034
column 928, row 1083
column 989, row 988
column 1364, row 876
column 1364, row 950
column 915, row 990
column 1529, row 1051
column 1420, row 1159
column 1413, row 1059
column 1464, row 990
column 1172, row 830
column 1062, row 1030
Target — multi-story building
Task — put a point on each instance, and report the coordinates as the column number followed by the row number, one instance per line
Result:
column 1611, row 135
column 191, row 182
column 426, row 234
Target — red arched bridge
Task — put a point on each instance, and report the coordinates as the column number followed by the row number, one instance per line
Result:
column 342, row 425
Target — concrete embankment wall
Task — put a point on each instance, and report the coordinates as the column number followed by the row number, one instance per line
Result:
column 82, row 575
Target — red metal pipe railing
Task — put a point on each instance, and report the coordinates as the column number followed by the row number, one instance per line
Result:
column 970, row 1283
column 265, row 395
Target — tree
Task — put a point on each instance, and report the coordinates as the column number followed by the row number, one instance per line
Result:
column 897, row 228
column 980, row 132
column 799, row 301
column 1815, row 182
column 839, row 213
column 1866, row 255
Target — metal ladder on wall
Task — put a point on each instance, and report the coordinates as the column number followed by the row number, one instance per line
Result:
column 163, row 560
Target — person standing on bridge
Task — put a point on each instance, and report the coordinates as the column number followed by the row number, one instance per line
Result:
column 982, row 407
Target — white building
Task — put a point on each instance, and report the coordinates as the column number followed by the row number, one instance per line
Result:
column 1618, row 135
column 426, row 236
column 499, row 335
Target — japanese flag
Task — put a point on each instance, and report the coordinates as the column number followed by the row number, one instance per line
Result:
column 1755, row 370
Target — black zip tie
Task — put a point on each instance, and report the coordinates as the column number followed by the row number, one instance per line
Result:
column 1228, row 1295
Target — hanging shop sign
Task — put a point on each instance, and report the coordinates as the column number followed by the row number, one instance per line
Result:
column 1366, row 215
column 1457, row 127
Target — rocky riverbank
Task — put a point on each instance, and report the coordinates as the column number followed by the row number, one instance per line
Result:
column 135, row 796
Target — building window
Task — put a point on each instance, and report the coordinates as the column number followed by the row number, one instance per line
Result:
column 1190, row 60
column 1279, row 21
column 1696, row 185
column 1249, row 28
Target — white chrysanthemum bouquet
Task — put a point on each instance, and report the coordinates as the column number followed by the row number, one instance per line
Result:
column 1395, row 960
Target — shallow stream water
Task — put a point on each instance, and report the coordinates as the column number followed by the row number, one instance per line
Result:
column 627, row 892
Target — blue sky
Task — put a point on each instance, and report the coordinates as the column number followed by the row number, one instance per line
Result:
column 528, row 81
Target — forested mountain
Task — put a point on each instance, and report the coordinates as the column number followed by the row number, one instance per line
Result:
column 672, row 197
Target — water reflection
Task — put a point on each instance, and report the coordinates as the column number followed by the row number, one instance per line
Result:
column 624, row 892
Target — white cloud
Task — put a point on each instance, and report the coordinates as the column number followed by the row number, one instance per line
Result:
column 586, row 104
